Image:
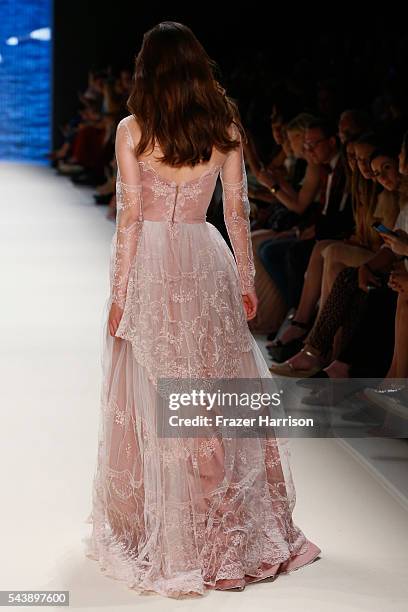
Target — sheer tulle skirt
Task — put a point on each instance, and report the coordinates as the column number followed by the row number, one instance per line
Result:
column 180, row 515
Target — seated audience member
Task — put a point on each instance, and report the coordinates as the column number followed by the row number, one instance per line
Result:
column 384, row 208
column 330, row 256
column 352, row 123
column 333, row 218
column 391, row 394
column 276, row 161
column 354, row 300
column 293, row 199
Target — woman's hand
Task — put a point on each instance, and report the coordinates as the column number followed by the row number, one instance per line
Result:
column 398, row 281
column 250, row 304
column 115, row 315
column 366, row 277
column 398, row 244
column 267, row 177
column 263, row 178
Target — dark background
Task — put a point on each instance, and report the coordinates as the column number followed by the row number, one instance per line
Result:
column 256, row 48
column 97, row 34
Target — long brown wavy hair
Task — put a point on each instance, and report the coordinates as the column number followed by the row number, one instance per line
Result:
column 177, row 100
column 364, row 194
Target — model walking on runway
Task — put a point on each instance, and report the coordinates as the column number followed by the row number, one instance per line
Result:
column 178, row 516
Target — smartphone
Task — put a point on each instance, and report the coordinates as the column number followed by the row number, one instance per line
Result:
column 379, row 227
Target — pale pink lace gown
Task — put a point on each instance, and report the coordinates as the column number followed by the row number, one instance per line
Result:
column 177, row 516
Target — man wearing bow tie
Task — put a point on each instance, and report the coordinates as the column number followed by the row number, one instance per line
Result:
column 331, row 219
column 334, row 220
column 322, row 146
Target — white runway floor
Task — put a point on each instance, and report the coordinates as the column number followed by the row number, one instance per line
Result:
column 54, row 255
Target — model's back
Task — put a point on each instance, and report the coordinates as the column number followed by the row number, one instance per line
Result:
column 170, row 194
column 146, row 195
column 172, row 272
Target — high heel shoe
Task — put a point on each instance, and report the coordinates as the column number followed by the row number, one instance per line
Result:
column 288, row 369
column 281, row 351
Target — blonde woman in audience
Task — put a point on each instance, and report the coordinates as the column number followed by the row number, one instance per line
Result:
column 296, row 193
column 276, row 163
column 296, row 200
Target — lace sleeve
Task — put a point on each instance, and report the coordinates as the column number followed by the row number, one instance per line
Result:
column 236, row 215
column 129, row 217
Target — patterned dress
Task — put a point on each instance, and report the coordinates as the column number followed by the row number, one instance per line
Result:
column 179, row 516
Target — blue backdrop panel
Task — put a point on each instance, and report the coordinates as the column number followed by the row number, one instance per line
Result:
column 25, row 79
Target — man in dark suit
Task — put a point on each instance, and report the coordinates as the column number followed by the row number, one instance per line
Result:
column 331, row 217
column 334, row 216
